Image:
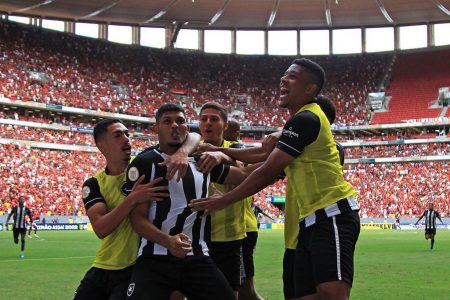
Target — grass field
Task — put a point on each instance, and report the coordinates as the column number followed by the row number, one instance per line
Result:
column 388, row 265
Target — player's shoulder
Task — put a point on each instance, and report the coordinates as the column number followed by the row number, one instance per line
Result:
column 305, row 116
column 146, row 155
column 92, row 180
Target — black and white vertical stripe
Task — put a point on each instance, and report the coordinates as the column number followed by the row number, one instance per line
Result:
column 19, row 217
column 172, row 215
column 430, row 218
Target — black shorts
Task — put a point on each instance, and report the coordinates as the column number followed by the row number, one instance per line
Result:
column 104, row 284
column 430, row 231
column 17, row 231
column 197, row 278
column 227, row 257
column 288, row 274
column 325, row 252
column 248, row 248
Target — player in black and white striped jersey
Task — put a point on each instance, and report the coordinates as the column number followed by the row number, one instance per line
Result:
column 20, row 224
column 430, row 223
column 174, row 254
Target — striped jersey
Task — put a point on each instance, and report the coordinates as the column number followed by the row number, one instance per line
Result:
column 19, row 214
column 172, row 215
column 430, row 218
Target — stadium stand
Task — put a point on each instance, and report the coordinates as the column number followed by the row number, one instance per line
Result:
column 415, row 81
column 38, row 66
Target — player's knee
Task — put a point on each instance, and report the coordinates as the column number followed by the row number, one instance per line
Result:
column 334, row 290
column 16, row 241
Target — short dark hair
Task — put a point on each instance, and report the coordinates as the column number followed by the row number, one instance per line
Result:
column 101, row 128
column 216, row 106
column 233, row 123
column 315, row 71
column 327, row 107
column 168, row 107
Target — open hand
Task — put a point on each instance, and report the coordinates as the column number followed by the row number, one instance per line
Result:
column 148, row 192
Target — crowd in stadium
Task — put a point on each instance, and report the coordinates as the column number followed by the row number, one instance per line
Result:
column 404, row 150
column 59, row 69
column 400, row 189
column 43, row 174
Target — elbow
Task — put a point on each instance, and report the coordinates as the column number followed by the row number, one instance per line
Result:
column 100, row 234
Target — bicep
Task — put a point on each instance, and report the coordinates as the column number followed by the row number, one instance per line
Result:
column 139, row 214
column 96, row 212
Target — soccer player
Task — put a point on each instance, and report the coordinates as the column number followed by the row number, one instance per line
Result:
column 227, row 225
column 430, row 223
column 19, row 214
column 247, row 291
column 327, row 209
column 173, row 253
column 291, row 208
column 108, row 210
column 33, row 226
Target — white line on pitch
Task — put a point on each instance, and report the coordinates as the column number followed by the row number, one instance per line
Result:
column 49, row 258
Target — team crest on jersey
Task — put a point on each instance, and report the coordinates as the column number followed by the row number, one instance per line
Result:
column 86, row 191
column 133, row 174
column 130, row 289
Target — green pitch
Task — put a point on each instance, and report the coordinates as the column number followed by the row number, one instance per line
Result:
column 388, row 265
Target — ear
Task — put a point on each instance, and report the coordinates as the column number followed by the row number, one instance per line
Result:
column 225, row 125
column 311, row 89
column 101, row 146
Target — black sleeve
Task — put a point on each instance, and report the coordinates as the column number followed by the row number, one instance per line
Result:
column 29, row 215
column 91, row 193
column 219, row 173
column 141, row 165
column 299, row 132
column 341, row 153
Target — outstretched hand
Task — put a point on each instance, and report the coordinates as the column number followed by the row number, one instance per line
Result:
column 148, row 192
column 205, row 147
column 210, row 204
column 208, row 160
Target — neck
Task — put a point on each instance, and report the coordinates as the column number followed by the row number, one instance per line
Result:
column 217, row 143
column 169, row 150
column 116, row 168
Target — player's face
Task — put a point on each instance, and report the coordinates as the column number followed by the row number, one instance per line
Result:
column 172, row 129
column 232, row 133
column 116, row 144
column 295, row 90
column 212, row 126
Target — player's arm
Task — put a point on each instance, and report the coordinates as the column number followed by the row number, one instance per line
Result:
column 209, row 160
column 9, row 216
column 179, row 245
column 260, row 211
column 103, row 221
column 439, row 217
column 28, row 213
column 299, row 132
column 178, row 162
column 256, row 181
column 420, row 218
column 247, row 155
